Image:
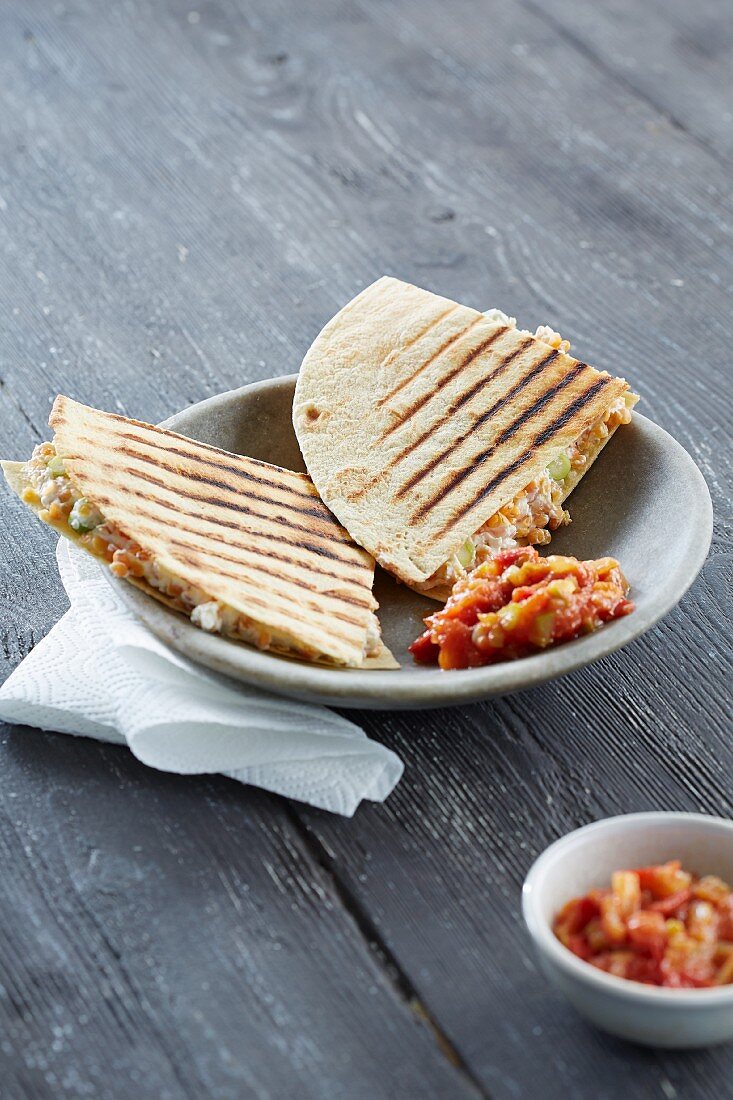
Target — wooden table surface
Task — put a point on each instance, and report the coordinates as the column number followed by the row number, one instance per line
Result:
column 187, row 192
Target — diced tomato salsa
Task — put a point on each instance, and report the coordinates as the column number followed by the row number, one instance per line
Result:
column 657, row 925
column 517, row 603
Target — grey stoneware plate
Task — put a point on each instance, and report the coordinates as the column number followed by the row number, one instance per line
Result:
column 644, row 502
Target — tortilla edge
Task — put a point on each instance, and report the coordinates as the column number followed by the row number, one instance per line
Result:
column 440, row 595
column 382, row 659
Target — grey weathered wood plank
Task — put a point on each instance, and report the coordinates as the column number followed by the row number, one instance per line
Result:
column 507, row 778
column 214, row 1006
column 678, row 57
column 168, row 937
column 486, row 788
column 186, row 193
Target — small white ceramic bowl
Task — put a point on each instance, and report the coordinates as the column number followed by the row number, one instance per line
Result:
column 585, row 859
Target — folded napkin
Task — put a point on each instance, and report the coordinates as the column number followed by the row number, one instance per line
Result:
column 101, row 673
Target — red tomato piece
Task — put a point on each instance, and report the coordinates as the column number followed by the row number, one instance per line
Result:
column 658, row 925
column 576, row 914
column 519, row 603
column 612, row 921
column 648, row 931
column 669, row 906
column 424, row 650
column 625, row 885
column 667, row 878
column 579, row 946
column 725, row 911
column 646, row 969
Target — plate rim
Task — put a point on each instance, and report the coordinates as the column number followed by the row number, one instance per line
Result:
column 393, row 689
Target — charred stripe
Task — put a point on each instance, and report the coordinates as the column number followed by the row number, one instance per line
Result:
column 433, row 323
column 501, row 367
column 259, row 567
column 477, row 459
column 278, row 538
column 426, row 362
column 453, row 408
column 541, row 438
column 396, row 352
column 307, row 490
column 156, row 432
column 198, row 478
column 418, row 404
column 218, row 502
column 195, row 562
column 418, row 476
column 291, row 614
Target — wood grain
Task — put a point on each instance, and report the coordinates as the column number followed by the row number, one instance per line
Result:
column 677, row 57
column 187, row 192
column 168, row 938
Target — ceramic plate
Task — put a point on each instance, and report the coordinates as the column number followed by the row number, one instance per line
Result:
column 643, row 502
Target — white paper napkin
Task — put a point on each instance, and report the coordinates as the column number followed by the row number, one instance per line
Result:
column 101, row 673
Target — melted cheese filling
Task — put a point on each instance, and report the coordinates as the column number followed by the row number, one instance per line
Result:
column 50, row 489
column 533, row 514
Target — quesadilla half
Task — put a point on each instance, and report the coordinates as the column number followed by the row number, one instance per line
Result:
column 438, row 434
column 242, row 548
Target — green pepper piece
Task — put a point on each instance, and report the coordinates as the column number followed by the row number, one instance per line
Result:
column 541, row 629
column 559, row 468
column 56, row 466
column 466, row 554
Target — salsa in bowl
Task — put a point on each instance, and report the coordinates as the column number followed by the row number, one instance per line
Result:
column 660, row 925
column 686, row 1015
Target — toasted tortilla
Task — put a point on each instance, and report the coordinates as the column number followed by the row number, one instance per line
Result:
column 418, row 418
column 253, row 536
column 440, row 593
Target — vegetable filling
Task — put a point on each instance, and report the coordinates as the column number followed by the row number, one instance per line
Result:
column 538, row 509
column 50, row 489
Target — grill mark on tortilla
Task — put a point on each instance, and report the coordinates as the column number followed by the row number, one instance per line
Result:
column 199, row 478
column 195, row 562
column 181, row 452
column 418, row 404
column 277, row 539
column 535, row 369
column 303, row 479
column 459, row 403
column 464, row 397
column 396, row 352
column 303, row 650
column 518, row 422
column 348, row 638
column 426, row 362
column 218, row 502
column 420, row 474
column 336, row 551
column 538, row 440
column 258, row 565
column 261, row 603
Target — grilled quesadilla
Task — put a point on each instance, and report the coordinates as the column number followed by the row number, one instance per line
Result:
column 438, row 434
column 243, row 548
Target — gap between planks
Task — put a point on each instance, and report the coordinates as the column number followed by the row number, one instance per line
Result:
column 394, row 974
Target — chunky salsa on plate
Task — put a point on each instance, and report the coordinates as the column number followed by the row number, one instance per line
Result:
column 658, row 925
column 517, row 603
